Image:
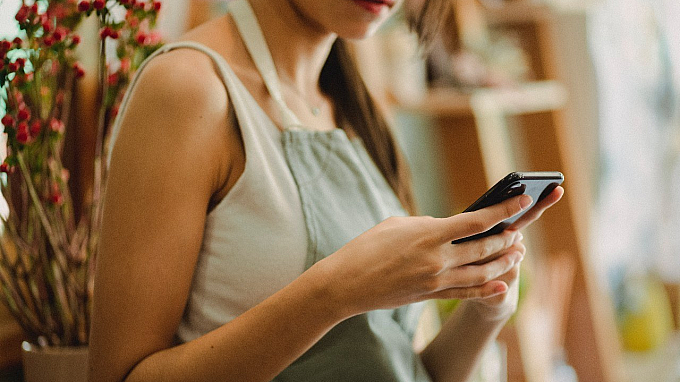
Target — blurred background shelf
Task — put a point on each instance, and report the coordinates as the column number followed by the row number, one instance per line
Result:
column 526, row 98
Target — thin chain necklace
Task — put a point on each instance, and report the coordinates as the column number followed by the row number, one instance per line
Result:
column 314, row 109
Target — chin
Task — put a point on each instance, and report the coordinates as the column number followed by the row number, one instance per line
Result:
column 357, row 31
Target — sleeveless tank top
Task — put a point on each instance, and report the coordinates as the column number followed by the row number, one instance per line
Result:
column 303, row 194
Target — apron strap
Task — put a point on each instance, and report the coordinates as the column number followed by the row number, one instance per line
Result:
column 252, row 36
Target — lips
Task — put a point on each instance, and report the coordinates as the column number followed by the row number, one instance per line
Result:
column 374, row 6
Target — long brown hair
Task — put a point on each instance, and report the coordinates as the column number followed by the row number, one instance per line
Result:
column 340, row 79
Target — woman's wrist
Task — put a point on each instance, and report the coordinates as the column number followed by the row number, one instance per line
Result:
column 328, row 293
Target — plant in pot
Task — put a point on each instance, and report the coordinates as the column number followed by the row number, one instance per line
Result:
column 48, row 247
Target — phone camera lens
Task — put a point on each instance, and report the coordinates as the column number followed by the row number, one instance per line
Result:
column 515, row 189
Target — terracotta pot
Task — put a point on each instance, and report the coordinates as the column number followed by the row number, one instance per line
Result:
column 54, row 364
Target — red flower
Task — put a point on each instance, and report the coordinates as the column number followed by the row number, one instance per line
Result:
column 22, row 14
column 36, row 126
column 34, row 7
column 17, row 41
column 125, row 64
column 80, row 72
column 24, row 113
column 7, row 120
column 21, row 62
column 48, row 40
column 84, row 6
column 157, row 6
column 47, row 26
column 154, row 38
column 98, row 4
column 5, row 45
column 75, row 39
column 5, row 168
column 141, row 38
column 22, row 133
column 60, row 33
column 112, row 79
column 13, row 67
column 57, row 125
column 106, row 32
column 55, row 197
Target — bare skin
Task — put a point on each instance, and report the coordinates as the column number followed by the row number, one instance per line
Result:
column 156, row 206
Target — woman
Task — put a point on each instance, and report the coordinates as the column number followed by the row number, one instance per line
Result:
column 254, row 223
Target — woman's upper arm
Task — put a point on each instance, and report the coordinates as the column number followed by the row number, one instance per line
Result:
column 168, row 160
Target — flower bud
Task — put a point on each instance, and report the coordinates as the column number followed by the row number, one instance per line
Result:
column 80, row 72
column 17, row 41
column 84, row 6
column 112, row 79
column 59, row 33
column 7, row 120
column 57, row 125
column 36, row 126
column 4, row 167
column 23, row 114
column 98, row 4
column 48, row 41
column 22, row 14
column 157, row 6
column 56, row 198
column 47, row 26
column 75, row 39
column 125, row 64
column 5, row 45
column 105, row 32
column 141, row 38
column 22, row 133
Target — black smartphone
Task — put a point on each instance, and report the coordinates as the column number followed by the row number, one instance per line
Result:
column 538, row 185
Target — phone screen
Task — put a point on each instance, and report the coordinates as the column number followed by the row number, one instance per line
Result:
column 536, row 184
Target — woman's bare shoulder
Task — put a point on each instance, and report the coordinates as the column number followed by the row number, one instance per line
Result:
column 181, row 78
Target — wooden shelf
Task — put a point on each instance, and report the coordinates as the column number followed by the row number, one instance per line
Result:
column 525, row 98
column 516, row 12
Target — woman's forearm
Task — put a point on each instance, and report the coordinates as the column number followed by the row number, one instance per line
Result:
column 255, row 346
column 455, row 353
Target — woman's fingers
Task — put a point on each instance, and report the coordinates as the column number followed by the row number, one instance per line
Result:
column 471, row 223
column 476, row 275
column 490, row 289
column 540, row 207
column 480, row 249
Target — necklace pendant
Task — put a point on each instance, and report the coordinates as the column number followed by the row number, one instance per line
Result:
column 316, row 111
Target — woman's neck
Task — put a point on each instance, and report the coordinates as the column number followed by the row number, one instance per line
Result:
column 298, row 45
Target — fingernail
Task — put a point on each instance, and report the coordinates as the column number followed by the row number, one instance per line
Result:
column 525, row 201
column 500, row 288
column 519, row 236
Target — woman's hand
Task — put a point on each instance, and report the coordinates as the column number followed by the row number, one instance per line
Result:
column 503, row 305
column 408, row 259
